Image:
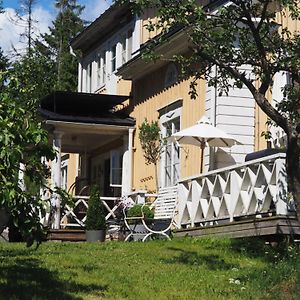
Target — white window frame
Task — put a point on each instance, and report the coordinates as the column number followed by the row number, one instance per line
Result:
column 101, row 68
column 164, row 120
column 113, row 57
column 116, row 154
column 64, row 173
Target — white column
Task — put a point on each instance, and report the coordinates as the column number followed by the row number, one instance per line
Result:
column 127, row 163
column 56, row 177
column 130, row 150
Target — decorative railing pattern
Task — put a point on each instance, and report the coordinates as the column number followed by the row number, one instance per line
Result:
column 75, row 216
column 255, row 188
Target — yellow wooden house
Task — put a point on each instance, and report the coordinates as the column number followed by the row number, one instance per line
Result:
column 118, row 90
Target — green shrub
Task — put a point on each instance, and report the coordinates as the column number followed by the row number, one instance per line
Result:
column 136, row 211
column 95, row 217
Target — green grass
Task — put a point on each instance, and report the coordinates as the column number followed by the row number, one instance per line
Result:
column 178, row 269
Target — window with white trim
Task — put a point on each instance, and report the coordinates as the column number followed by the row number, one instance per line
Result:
column 113, row 61
column 123, row 50
column 88, row 83
column 64, row 172
column 170, row 159
column 101, row 68
column 116, row 160
column 129, row 44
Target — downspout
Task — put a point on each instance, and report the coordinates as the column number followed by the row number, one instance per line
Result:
column 213, row 115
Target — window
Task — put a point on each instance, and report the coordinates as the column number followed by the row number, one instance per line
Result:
column 171, row 153
column 171, row 75
column 123, row 49
column 64, row 172
column 116, row 160
column 170, row 122
column 101, row 68
column 129, row 44
column 113, row 58
column 89, row 78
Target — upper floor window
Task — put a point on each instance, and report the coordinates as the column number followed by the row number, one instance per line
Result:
column 123, row 49
column 89, row 70
column 113, row 58
column 129, row 44
column 101, row 68
column 171, row 75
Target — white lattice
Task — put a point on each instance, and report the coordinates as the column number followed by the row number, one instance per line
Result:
column 75, row 216
column 253, row 188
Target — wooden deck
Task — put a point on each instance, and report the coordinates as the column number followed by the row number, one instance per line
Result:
column 66, row 235
column 268, row 226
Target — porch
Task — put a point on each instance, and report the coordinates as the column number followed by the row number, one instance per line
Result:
column 245, row 200
column 96, row 130
column 250, row 199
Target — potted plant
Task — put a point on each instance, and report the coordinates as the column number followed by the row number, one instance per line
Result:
column 95, row 223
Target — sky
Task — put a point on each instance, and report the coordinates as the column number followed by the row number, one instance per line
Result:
column 44, row 12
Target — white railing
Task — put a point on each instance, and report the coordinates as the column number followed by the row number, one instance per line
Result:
column 254, row 188
column 75, row 216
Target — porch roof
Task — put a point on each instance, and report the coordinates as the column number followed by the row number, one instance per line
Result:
column 87, row 121
column 84, row 108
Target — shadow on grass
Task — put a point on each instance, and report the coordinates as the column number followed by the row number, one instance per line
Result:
column 257, row 247
column 26, row 279
column 212, row 262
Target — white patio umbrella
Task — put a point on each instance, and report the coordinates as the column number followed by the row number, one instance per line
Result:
column 204, row 133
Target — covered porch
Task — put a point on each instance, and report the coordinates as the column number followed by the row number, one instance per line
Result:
column 97, row 132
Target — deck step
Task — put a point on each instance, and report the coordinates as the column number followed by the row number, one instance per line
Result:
column 67, row 235
column 275, row 225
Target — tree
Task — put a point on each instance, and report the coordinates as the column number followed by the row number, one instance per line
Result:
column 28, row 21
column 56, row 44
column 151, row 143
column 242, row 33
column 23, row 142
column 4, row 63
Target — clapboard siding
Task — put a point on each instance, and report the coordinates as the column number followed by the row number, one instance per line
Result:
column 235, row 114
column 228, row 110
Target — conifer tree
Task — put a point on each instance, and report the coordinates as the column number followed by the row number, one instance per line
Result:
column 56, row 43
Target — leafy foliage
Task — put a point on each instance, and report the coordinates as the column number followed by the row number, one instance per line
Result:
column 138, row 210
column 23, row 142
column 149, row 135
column 95, row 217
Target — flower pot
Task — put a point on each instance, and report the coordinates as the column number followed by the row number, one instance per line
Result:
column 95, row 235
column 138, row 232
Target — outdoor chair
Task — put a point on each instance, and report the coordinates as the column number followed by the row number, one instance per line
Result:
column 141, row 229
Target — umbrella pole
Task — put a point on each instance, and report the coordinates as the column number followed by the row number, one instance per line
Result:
column 202, row 154
column 201, row 162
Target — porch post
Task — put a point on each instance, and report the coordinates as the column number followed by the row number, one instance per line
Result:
column 130, row 150
column 56, row 178
column 127, row 163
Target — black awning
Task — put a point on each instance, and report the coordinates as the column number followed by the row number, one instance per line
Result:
column 84, row 104
column 85, row 108
column 108, row 119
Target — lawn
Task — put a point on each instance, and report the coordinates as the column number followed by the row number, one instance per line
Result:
column 178, row 269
